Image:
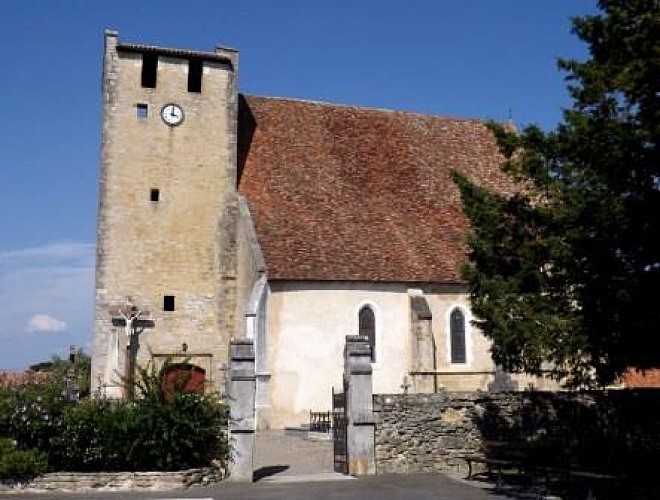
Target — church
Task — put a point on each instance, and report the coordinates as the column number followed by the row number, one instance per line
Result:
column 289, row 222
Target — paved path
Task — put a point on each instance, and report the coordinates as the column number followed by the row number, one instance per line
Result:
column 278, row 455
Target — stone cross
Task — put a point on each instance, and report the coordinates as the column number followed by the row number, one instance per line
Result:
column 130, row 314
column 72, row 390
column 130, row 317
column 405, row 386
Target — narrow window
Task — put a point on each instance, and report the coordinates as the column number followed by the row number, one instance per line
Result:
column 149, row 70
column 142, row 111
column 168, row 303
column 154, row 195
column 457, row 336
column 195, row 68
column 367, row 327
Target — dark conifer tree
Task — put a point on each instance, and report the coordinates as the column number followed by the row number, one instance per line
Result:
column 565, row 275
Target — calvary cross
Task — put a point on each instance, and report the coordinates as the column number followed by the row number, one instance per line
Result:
column 131, row 318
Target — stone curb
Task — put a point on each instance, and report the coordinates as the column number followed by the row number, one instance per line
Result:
column 118, row 481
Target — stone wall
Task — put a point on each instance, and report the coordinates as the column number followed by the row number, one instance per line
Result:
column 618, row 430
column 181, row 244
column 120, row 481
column 425, row 432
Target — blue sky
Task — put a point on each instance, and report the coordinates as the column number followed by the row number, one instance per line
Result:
column 468, row 58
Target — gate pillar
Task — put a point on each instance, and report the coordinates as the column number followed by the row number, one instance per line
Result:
column 241, row 402
column 360, row 438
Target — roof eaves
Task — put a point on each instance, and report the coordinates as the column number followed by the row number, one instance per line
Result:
column 182, row 53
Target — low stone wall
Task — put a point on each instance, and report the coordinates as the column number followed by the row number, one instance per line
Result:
column 120, row 481
column 617, row 430
column 425, row 432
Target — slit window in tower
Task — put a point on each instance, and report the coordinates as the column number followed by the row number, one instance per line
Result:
column 195, row 69
column 149, row 70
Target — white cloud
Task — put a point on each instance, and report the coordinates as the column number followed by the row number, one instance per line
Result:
column 45, row 323
column 47, row 253
column 57, row 279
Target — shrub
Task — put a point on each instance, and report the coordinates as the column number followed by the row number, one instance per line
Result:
column 179, row 434
column 20, row 465
column 181, row 429
column 162, row 429
column 93, row 436
column 28, row 414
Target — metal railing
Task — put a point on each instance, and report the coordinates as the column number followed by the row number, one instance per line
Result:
column 320, row 421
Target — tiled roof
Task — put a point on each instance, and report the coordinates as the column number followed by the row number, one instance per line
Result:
column 648, row 378
column 15, row 379
column 348, row 193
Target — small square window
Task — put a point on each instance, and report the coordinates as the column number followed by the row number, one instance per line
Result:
column 154, row 195
column 142, row 111
column 168, row 303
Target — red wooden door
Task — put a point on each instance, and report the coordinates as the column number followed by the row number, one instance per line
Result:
column 184, row 377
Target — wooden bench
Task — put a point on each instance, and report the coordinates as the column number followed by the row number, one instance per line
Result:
column 499, row 456
column 519, row 457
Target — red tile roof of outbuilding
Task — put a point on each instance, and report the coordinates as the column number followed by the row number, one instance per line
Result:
column 349, row 193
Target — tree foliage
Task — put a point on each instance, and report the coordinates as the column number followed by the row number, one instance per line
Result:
column 78, row 367
column 564, row 275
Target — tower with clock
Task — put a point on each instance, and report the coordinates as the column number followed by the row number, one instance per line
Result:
column 166, row 224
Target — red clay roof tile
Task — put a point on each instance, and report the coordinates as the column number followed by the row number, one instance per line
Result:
column 347, row 193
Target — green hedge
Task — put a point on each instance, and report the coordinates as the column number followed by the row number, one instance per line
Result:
column 162, row 429
column 20, row 465
column 186, row 432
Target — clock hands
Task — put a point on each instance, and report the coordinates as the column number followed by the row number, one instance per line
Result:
column 172, row 114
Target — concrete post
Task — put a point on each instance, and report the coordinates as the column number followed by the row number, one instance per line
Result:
column 360, row 438
column 241, row 402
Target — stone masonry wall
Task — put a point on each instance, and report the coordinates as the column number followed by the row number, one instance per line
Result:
column 184, row 244
column 118, row 481
column 617, row 430
column 425, row 432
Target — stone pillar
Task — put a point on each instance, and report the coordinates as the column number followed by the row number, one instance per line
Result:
column 241, row 403
column 360, row 444
column 423, row 365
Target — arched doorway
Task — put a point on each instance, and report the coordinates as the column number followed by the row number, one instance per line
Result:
column 183, row 377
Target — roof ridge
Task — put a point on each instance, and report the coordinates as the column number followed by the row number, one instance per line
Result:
column 367, row 108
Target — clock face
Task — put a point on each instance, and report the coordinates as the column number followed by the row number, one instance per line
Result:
column 172, row 114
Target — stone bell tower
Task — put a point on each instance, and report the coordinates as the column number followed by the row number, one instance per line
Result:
column 167, row 212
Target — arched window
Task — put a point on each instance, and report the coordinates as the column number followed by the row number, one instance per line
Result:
column 457, row 336
column 367, row 327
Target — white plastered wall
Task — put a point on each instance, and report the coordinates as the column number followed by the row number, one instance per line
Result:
column 306, row 329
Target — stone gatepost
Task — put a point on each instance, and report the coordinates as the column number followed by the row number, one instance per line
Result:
column 360, row 440
column 241, row 402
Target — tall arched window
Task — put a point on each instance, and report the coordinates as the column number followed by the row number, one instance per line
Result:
column 367, row 327
column 457, row 336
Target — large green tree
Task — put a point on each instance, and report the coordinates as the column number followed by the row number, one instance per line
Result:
column 565, row 274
